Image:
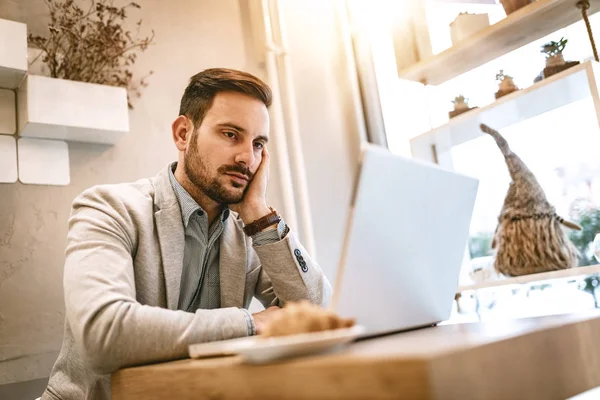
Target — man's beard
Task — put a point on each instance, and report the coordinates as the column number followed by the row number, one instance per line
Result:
column 198, row 173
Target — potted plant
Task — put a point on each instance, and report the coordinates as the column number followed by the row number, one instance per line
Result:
column 506, row 84
column 461, row 105
column 88, row 53
column 555, row 61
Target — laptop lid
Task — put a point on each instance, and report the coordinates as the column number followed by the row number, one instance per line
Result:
column 405, row 239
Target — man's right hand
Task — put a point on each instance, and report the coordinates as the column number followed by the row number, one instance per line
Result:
column 263, row 317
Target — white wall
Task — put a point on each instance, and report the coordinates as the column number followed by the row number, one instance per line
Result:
column 190, row 35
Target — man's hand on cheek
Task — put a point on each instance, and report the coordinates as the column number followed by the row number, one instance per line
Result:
column 254, row 204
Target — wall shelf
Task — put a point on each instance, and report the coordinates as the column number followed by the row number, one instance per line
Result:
column 13, row 53
column 576, row 83
column 8, row 159
column 50, row 108
column 8, row 112
column 525, row 279
column 43, row 162
column 522, row 27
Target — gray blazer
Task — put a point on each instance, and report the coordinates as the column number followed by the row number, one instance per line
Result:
column 122, row 277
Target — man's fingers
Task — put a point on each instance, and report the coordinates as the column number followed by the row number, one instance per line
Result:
column 264, row 165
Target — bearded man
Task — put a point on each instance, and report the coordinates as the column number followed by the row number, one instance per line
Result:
column 158, row 264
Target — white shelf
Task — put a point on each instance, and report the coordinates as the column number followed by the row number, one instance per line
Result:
column 50, row 108
column 8, row 112
column 524, row 26
column 8, row 159
column 543, row 276
column 13, row 53
column 43, row 162
column 576, row 83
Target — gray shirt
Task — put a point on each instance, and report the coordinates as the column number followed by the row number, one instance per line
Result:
column 200, row 280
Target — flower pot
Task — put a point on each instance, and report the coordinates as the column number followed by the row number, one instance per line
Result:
column 50, row 108
column 506, row 86
column 511, row 6
column 466, row 25
column 552, row 70
column 555, row 60
column 460, row 110
column 13, row 53
column 501, row 92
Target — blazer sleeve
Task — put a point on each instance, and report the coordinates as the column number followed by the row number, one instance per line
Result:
column 110, row 327
column 289, row 273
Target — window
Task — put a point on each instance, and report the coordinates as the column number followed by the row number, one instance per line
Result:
column 560, row 147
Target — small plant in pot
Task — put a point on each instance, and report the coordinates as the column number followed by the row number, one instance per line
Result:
column 506, row 84
column 461, row 105
column 553, row 51
column 92, row 44
column 555, row 61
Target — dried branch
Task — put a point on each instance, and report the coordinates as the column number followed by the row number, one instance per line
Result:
column 92, row 45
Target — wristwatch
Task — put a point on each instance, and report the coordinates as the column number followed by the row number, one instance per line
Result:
column 258, row 225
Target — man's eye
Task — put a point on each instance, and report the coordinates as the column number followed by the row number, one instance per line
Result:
column 230, row 135
column 259, row 145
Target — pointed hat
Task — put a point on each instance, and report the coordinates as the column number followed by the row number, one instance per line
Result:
column 528, row 237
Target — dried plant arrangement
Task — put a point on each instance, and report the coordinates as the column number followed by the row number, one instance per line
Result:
column 92, row 45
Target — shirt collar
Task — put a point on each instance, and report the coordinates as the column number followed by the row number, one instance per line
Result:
column 187, row 204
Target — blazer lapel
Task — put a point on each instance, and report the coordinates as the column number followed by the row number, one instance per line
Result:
column 172, row 243
column 171, row 237
column 232, row 265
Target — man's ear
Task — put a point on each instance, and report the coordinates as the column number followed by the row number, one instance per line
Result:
column 182, row 128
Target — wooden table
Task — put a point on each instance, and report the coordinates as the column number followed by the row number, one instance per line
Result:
column 553, row 357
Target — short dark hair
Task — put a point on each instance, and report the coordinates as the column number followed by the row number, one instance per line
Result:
column 204, row 86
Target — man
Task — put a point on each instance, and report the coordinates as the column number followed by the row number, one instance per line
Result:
column 159, row 264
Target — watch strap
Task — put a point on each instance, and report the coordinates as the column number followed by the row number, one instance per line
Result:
column 258, row 225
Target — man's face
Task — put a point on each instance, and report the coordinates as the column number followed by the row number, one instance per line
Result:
column 226, row 150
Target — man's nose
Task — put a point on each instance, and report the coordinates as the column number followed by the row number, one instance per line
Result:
column 245, row 155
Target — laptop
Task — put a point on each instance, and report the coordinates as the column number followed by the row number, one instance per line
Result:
column 404, row 245
column 406, row 235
